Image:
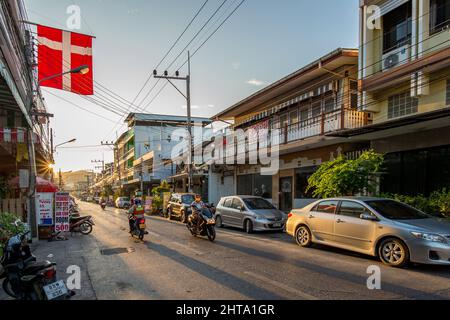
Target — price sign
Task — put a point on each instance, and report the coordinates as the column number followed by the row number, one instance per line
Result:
column 62, row 213
column 44, row 208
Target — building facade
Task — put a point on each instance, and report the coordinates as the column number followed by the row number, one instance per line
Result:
column 404, row 81
column 298, row 112
column 24, row 125
column 142, row 151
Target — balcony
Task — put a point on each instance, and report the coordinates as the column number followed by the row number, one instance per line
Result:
column 321, row 125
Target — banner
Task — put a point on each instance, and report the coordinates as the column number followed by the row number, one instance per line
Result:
column 44, row 209
column 62, row 213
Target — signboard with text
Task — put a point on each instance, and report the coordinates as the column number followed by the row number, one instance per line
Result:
column 44, row 209
column 62, row 213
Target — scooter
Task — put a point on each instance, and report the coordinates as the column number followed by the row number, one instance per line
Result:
column 81, row 225
column 207, row 223
column 137, row 227
column 26, row 279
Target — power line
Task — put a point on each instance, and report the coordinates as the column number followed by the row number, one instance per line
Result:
column 159, row 63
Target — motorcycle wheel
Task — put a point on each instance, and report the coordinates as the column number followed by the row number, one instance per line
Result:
column 85, row 228
column 6, row 285
column 211, row 232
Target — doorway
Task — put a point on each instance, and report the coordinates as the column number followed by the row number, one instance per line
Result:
column 285, row 199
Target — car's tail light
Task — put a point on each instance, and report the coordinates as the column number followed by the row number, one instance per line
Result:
column 290, row 215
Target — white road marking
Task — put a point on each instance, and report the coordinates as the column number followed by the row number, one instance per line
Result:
column 282, row 286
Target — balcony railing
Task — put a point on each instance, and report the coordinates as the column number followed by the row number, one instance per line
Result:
column 321, row 125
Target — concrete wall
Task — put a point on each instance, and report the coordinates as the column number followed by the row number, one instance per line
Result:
column 217, row 189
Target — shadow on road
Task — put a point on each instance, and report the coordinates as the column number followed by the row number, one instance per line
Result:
column 224, row 278
column 333, row 273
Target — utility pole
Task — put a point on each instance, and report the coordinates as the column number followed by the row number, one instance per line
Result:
column 116, row 151
column 188, row 107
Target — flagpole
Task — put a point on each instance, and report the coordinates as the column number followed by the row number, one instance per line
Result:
column 37, row 24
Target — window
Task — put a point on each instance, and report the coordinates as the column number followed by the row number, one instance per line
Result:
column 237, row 204
column 293, row 117
column 439, row 15
column 254, row 185
column 448, row 92
column 397, row 27
column 329, row 105
column 394, row 210
column 10, row 119
column 316, row 109
column 227, row 203
column 301, row 182
column 352, row 209
column 304, row 113
column 402, row 105
column 284, row 121
column 258, row 204
column 326, row 207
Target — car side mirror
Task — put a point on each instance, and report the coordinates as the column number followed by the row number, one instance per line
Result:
column 368, row 216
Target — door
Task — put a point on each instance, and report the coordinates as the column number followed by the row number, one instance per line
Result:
column 225, row 211
column 285, row 198
column 321, row 220
column 236, row 213
column 350, row 229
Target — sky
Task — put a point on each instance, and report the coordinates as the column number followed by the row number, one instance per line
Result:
column 263, row 41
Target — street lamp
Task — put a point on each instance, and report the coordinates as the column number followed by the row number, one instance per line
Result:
column 83, row 69
column 61, row 144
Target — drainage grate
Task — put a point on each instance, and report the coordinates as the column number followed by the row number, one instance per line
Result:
column 113, row 251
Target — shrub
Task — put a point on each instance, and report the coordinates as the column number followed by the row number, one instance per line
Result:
column 8, row 228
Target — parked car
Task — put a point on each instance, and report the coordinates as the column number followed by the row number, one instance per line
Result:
column 179, row 206
column 123, row 203
column 391, row 230
column 250, row 213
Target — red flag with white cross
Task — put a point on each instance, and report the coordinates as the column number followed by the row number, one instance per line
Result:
column 60, row 51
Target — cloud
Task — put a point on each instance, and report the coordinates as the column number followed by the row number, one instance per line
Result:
column 255, row 82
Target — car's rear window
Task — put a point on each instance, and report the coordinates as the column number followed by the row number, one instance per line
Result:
column 258, row 204
column 187, row 199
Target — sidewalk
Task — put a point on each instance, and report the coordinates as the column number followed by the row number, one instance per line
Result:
column 65, row 254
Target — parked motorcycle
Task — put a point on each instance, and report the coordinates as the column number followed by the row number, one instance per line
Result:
column 207, row 224
column 26, row 279
column 138, row 227
column 81, row 225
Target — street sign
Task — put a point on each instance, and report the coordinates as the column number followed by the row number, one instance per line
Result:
column 44, row 208
column 62, row 202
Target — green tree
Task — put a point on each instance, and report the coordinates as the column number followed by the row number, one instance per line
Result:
column 346, row 177
column 9, row 226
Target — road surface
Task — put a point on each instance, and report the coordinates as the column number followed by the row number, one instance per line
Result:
column 171, row 264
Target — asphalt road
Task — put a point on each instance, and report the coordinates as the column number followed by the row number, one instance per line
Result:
column 171, row 264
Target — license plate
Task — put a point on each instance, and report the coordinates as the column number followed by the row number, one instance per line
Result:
column 55, row 290
column 142, row 226
column 277, row 225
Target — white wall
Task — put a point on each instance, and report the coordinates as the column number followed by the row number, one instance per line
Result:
column 216, row 189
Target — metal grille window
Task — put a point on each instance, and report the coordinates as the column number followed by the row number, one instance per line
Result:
column 402, row 105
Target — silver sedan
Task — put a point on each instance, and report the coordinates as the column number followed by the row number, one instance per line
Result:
column 391, row 230
column 250, row 213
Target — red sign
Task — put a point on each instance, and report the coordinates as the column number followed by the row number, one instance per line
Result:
column 62, row 214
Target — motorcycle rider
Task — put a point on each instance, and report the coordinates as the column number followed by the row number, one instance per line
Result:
column 136, row 212
column 197, row 205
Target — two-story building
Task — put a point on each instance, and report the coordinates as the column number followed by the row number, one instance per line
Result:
column 142, row 150
column 298, row 112
column 404, row 79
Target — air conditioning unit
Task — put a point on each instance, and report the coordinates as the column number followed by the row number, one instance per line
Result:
column 396, row 57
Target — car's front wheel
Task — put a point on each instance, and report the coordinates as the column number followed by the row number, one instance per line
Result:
column 393, row 252
column 303, row 236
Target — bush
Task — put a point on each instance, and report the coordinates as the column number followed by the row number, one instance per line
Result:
column 8, row 228
column 346, row 177
column 437, row 204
